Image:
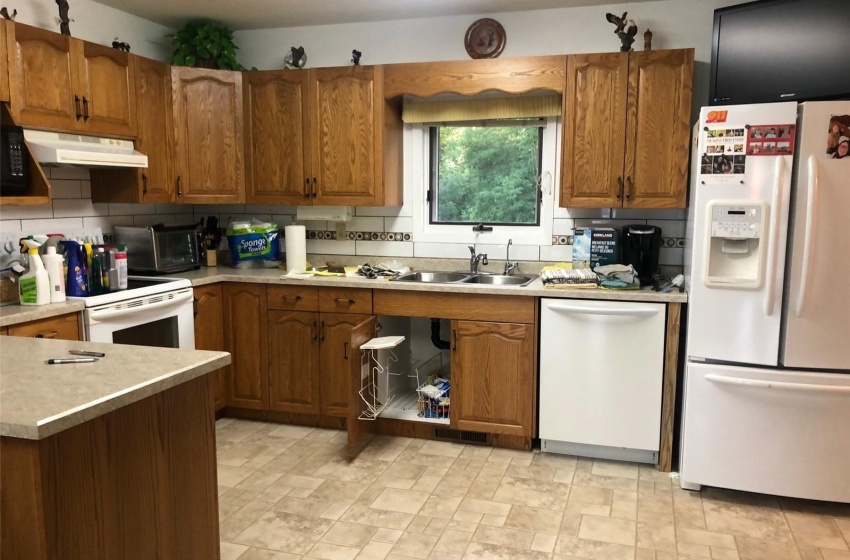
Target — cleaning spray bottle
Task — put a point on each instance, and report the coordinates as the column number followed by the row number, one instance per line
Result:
column 34, row 286
column 76, row 282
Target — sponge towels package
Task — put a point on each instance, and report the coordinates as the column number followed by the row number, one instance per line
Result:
column 255, row 241
column 295, row 240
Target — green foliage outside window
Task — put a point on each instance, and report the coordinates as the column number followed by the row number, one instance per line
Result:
column 487, row 174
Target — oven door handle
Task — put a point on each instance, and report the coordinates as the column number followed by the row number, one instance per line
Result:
column 100, row 315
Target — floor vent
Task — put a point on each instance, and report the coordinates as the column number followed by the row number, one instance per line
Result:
column 461, row 436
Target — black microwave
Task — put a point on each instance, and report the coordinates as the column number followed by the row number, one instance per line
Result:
column 13, row 161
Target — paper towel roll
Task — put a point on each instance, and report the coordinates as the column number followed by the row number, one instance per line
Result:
column 296, row 248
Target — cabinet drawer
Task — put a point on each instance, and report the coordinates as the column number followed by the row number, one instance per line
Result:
column 345, row 300
column 65, row 327
column 294, row 298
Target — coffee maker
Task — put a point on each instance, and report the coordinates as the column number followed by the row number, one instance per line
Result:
column 641, row 245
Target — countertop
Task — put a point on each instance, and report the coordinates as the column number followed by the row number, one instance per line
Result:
column 14, row 314
column 38, row 400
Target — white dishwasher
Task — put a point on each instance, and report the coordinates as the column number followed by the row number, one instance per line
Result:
column 601, row 371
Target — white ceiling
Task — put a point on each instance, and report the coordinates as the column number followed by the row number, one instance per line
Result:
column 264, row 14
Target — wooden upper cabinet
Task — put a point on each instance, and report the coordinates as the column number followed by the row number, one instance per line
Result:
column 626, row 134
column 208, row 135
column 277, row 155
column 658, row 118
column 493, row 377
column 246, row 338
column 594, row 130
column 4, row 64
column 155, row 139
column 107, row 85
column 294, row 362
column 58, row 82
column 41, row 71
column 356, row 138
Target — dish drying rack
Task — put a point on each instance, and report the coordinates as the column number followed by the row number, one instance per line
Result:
column 373, row 389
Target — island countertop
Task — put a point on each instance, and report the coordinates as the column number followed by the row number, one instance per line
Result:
column 38, row 400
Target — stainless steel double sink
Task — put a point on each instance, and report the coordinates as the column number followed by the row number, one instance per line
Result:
column 466, row 278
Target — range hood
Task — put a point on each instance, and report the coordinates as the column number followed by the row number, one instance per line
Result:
column 59, row 148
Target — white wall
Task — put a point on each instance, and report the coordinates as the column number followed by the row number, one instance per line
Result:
column 99, row 24
column 674, row 23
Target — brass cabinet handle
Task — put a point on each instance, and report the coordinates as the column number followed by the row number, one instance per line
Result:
column 322, row 331
column 454, row 339
column 48, row 334
column 344, row 350
column 314, row 187
column 77, row 107
column 180, row 185
column 349, row 301
column 631, row 186
column 620, row 185
column 296, row 298
column 306, row 187
column 315, row 328
column 86, row 109
column 144, row 183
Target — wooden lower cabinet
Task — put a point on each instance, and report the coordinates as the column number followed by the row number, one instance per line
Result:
column 493, row 377
column 209, row 335
column 63, row 327
column 294, row 362
column 246, row 338
column 336, row 353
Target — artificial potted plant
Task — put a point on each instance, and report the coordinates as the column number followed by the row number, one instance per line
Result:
column 205, row 44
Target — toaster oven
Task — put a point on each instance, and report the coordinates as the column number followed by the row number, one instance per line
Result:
column 160, row 249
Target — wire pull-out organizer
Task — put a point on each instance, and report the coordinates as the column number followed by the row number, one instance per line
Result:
column 374, row 380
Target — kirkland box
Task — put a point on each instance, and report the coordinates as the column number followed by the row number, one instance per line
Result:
column 593, row 247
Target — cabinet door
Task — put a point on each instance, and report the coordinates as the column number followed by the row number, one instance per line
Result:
column 246, row 339
column 64, row 327
column 493, row 377
column 4, row 64
column 658, row 135
column 594, row 130
column 41, row 85
column 294, row 362
column 208, row 134
column 335, row 339
column 276, row 140
column 360, row 373
column 345, row 122
column 155, row 129
column 106, row 81
column 155, row 139
column 209, row 334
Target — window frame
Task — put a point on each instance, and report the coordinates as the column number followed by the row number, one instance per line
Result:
column 432, row 197
column 417, row 180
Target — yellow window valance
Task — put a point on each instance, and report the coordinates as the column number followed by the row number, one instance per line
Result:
column 481, row 109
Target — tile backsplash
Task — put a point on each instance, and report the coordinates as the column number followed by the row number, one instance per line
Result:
column 380, row 232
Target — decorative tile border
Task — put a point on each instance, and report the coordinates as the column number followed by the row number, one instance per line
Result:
column 378, row 236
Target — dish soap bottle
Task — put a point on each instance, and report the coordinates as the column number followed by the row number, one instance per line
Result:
column 34, row 286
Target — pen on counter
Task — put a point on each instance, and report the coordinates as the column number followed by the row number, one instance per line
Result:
column 88, row 353
column 55, row 361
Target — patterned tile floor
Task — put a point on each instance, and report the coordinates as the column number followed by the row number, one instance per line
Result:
column 290, row 492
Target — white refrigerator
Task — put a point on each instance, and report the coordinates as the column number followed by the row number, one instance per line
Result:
column 767, row 262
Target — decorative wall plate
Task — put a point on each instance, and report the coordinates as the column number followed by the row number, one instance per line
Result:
column 485, row 38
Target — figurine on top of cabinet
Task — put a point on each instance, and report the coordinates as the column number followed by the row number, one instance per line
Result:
column 626, row 34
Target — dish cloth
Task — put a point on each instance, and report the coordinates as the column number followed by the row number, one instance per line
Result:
column 556, row 276
column 617, row 276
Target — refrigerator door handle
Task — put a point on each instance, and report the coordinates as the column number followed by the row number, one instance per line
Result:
column 762, row 384
column 772, row 250
column 809, row 240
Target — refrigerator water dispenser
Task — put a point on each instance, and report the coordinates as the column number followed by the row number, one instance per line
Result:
column 735, row 251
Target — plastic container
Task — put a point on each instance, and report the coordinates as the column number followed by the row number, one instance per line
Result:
column 76, row 281
column 34, row 286
column 55, row 266
column 121, row 266
column 96, row 281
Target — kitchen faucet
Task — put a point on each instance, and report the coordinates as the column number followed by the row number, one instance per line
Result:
column 509, row 266
column 475, row 259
